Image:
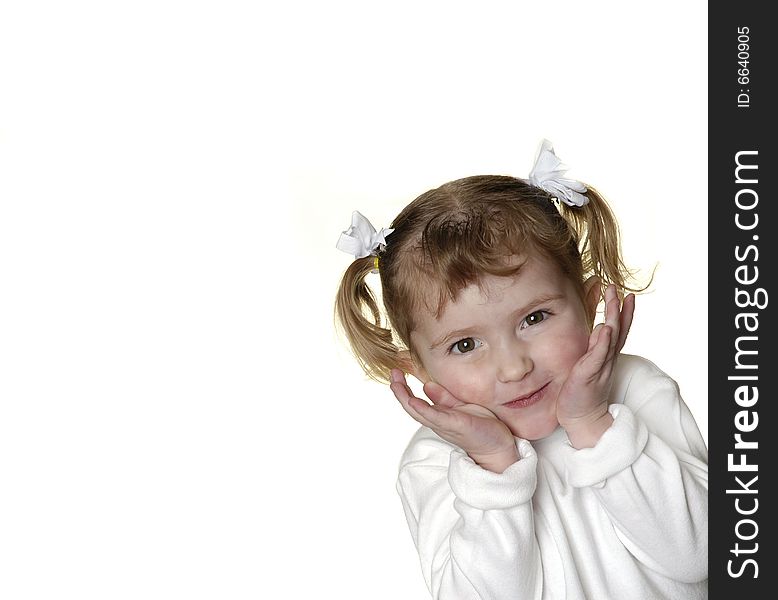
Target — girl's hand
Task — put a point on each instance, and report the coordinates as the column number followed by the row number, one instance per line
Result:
column 582, row 407
column 475, row 429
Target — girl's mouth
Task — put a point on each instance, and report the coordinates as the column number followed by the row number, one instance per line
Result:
column 529, row 400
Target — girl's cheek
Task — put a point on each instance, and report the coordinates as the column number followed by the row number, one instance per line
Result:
column 565, row 350
column 463, row 385
column 579, row 347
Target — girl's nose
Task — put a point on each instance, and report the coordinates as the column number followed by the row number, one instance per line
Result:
column 514, row 363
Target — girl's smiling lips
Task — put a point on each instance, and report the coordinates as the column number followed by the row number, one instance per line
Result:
column 528, row 399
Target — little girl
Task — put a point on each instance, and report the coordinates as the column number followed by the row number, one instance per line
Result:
column 548, row 465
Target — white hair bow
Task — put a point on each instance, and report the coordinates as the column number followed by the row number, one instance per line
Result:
column 361, row 238
column 547, row 175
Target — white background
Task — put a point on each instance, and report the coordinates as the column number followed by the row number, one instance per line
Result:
column 177, row 416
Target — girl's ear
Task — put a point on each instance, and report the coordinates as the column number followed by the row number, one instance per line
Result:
column 592, row 295
column 408, row 365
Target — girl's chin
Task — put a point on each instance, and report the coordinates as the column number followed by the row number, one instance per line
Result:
column 535, row 433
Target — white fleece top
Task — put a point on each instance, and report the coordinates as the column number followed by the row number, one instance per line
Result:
column 625, row 520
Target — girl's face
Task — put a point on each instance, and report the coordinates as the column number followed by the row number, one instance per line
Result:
column 509, row 347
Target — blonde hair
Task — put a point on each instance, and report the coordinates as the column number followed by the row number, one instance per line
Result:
column 449, row 238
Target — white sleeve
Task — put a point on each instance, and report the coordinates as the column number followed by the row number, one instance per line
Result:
column 650, row 473
column 473, row 528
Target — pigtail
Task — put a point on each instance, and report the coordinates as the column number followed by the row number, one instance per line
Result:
column 599, row 243
column 371, row 343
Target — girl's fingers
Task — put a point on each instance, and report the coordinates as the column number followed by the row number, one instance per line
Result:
column 599, row 348
column 397, row 376
column 619, row 318
column 399, row 386
column 440, row 396
column 595, row 335
column 612, row 313
column 401, row 392
column 426, row 414
column 441, row 420
column 602, row 347
column 627, row 312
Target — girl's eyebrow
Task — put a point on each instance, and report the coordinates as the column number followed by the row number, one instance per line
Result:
column 542, row 299
column 538, row 300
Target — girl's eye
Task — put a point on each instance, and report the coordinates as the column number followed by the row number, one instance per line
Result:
column 465, row 345
column 533, row 318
